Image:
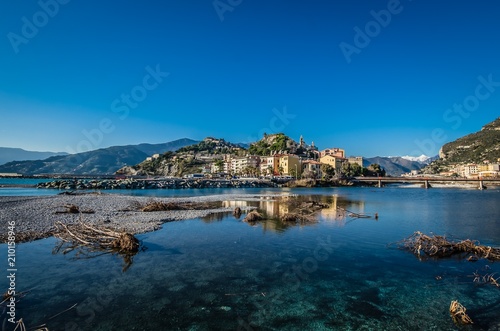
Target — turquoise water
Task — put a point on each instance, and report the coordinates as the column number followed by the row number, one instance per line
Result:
column 219, row 273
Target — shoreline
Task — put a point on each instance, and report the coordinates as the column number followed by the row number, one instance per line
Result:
column 34, row 216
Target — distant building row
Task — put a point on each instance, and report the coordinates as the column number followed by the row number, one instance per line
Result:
column 473, row 170
column 282, row 164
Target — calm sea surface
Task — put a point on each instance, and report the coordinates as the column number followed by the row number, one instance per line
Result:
column 219, row 273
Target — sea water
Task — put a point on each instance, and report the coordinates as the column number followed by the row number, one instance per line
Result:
column 220, row 273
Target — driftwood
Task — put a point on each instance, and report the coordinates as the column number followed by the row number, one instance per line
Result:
column 90, row 242
column 343, row 213
column 486, row 279
column 424, row 246
column 96, row 238
column 74, row 209
column 155, row 205
column 458, row 314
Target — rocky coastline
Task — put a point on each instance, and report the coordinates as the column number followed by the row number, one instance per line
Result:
column 170, row 183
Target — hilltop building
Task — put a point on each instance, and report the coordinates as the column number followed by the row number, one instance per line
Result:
column 337, row 152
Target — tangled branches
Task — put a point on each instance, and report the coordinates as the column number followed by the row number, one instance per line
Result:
column 91, row 241
column 486, row 279
column 96, row 238
column 439, row 247
column 458, row 314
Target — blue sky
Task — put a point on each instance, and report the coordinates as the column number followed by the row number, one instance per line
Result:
column 79, row 75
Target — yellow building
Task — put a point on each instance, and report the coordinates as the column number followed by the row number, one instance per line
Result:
column 335, row 161
column 269, row 165
column 290, row 164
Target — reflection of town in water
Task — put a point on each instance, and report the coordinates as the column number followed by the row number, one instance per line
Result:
column 274, row 207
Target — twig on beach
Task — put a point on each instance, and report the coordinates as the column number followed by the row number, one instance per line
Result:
column 74, row 209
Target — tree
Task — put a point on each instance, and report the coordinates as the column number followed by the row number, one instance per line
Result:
column 281, row 170
column 270, row 170
column 376, row 170
column 308, row 174
column 219, row 164
column 352, row 169
column 328, row 171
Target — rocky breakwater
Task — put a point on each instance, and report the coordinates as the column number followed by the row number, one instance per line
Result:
column 170, row 183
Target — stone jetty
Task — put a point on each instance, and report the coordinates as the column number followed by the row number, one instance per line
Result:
column 169, row 183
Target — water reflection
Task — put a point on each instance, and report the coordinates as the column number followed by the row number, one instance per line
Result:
column 333, row 208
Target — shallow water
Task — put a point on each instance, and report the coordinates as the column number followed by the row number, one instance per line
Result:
column 219, row 273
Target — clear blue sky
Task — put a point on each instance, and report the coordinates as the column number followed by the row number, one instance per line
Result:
column 247, row 67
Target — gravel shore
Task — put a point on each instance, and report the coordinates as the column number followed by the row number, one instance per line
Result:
column 34, row 217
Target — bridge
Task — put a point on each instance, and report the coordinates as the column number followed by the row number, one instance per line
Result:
column 426, row 181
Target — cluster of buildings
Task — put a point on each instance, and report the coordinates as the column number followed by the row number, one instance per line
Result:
column 473, row 170
column 281, row 163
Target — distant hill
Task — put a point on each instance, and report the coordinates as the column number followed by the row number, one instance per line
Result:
column 98, row 162
column 186, row 160
column 394, row 166
column 8, row 154
column 475, row 147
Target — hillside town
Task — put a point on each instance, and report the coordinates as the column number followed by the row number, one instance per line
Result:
column 296, row 160
column 485, row 169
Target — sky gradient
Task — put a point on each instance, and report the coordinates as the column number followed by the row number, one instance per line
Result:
column 79, row 75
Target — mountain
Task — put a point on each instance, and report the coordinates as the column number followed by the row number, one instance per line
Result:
column 98, row 162
column 422, row 158
column 8, row 154
column 394, row 166
column 476, row 147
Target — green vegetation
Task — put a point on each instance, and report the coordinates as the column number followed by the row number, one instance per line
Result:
column 328, row 171
column 473, row 148
column 271, row 143
column 355, row 170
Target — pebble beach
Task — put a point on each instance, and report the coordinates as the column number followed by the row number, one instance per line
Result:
column 34, row 217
